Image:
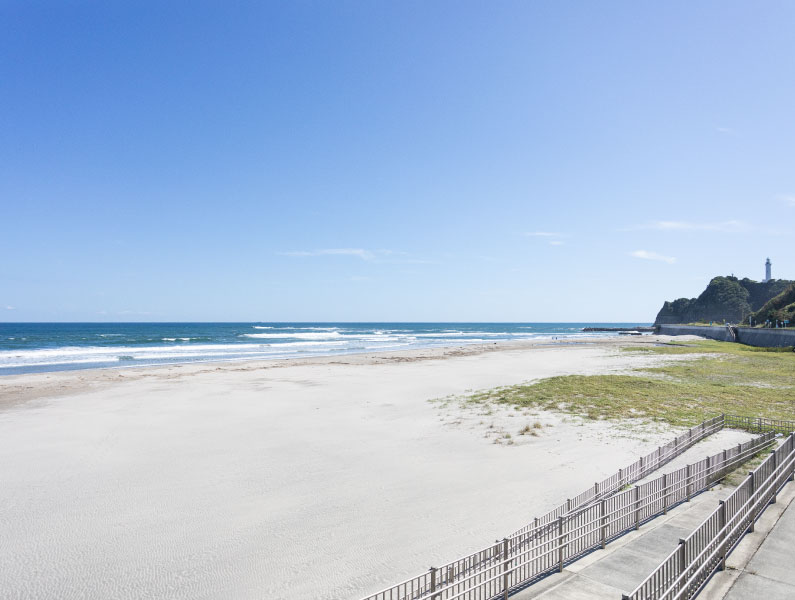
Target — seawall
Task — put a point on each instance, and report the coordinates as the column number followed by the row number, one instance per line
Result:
column 767, row 338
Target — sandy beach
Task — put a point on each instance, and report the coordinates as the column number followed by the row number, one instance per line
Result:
column 323, row 478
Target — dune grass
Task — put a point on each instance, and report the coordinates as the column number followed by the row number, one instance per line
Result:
column 720, row 378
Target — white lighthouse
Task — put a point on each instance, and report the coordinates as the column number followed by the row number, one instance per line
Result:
column 767, row 278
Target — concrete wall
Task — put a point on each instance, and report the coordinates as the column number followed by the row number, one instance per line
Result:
column 745, row 335
column 720, row 333
column 766, row 337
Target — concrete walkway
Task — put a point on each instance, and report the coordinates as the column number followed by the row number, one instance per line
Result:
column 763, row 563
column 619, row 568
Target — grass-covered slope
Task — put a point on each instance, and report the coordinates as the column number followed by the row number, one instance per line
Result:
column 780, row 308
column 721, row 378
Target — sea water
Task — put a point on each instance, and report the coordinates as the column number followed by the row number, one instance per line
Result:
column 38, row 347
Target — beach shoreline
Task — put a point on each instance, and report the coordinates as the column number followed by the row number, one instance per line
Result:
column 20, row 388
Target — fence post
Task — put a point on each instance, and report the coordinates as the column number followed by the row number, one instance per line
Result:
column 722, row 522
column 791, row 447
column 682, row 557
column 568, row 505
column 641, row 473
column 560, row 544
column 775, row 466
column 751, row 495
column 505, row 567
column 637, row 508
column 665, row 493
column 620, row 478
column 603, row 522
column 724, row 468
column 707, row 473
column 433, row 581
column 688, row 487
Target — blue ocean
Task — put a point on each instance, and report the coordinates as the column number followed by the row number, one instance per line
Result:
column 38, row 347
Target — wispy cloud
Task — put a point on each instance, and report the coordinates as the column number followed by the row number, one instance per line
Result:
column 543, row 234
column 10, row 308
column 554, row 238
column 726, row 130
column 646, row 255
column 788, row 199
column 357, row 252
column 378, row 256
column 733, row 226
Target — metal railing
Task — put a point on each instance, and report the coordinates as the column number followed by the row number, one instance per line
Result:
column 632, row 473
column 591, row 519
column 690, row 565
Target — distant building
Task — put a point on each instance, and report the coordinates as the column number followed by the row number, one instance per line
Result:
column 768, row 264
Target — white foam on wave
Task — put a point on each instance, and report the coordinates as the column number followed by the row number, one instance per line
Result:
column 321, row 344
column 298, row 336
column 446, row 334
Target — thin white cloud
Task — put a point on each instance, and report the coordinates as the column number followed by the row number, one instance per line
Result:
column 555, row 243
column 377, row 256
column 726, row 130
column 788, row 199
column 357, row 252
column 732, row 226
column 646, row 255
column 542, row 234
column 10, row 308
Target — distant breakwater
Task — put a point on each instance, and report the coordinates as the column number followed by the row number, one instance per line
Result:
column 763, row 338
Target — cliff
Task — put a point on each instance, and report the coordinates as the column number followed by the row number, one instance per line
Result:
column 725, row 299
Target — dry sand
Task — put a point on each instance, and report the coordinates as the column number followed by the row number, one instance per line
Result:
column 325, row 478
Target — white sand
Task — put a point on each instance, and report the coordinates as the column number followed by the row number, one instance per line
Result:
column 327, row 478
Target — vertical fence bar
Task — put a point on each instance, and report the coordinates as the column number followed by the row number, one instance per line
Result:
column 637, row 508
column 687, row 474
column 505, row 568
column 752, row 479
column 722, row 525
column 603, row 522
column 560, row 544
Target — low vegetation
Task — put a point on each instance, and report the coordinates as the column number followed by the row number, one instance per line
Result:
column 719, row 378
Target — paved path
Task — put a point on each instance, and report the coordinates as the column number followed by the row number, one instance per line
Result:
column 762, row 565
column 619, row 568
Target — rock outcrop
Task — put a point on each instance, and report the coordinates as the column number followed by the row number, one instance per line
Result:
column 725, row 299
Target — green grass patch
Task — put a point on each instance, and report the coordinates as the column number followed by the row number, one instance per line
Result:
column 720, row 378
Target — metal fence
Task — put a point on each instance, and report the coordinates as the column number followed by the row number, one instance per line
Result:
column 689, row 566
column 587, row 521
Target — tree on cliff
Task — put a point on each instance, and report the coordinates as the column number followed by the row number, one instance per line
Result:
column 779, row 308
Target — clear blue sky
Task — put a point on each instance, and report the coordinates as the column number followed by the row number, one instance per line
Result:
column 373, row 160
